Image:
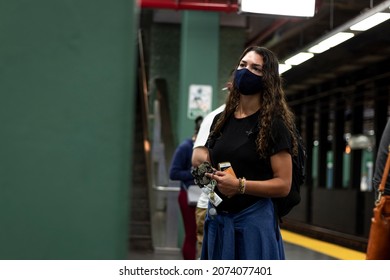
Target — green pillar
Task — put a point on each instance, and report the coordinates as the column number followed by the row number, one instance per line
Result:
column 66, row 109
column 198, row 64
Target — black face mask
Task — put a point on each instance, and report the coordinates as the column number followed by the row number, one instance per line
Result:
column 248, row 83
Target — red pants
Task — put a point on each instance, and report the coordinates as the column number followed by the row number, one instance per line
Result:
column 188, row 215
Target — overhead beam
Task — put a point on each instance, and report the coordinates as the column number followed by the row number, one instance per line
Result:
column 228, row 7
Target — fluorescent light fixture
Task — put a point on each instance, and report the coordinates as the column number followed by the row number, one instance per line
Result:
column 370, row 22
column 299, row 58
column 331, row 42
column 373, row 16
column 299, row 8
column 318, row 48
column 283, row 68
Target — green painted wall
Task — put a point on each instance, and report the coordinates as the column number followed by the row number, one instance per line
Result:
column 66, row 109
column 199, row 55
column 232, row 44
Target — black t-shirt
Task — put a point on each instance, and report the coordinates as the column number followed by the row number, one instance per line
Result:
column 237, row 144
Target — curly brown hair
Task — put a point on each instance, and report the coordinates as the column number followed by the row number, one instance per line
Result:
column 272, row 99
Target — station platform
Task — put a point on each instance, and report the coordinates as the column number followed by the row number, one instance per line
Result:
column 297, row 247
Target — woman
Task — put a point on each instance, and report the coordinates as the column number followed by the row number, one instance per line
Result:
column 255, row 134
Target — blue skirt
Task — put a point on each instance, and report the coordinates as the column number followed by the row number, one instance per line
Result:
column 252, row 234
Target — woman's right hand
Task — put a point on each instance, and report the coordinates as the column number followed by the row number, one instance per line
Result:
column 227, row 184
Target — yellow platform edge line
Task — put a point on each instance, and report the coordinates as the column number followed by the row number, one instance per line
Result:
column 322, row 247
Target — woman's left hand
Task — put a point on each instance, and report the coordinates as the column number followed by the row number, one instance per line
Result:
column 227, row 184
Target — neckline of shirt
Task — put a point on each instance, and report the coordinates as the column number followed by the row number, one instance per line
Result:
column 247, row 117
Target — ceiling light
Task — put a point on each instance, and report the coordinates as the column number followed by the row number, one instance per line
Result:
column 299, row 58
column 341, row 34
column 283, row 68
column 300, row 8
column 318, row 48
column 370, row 22
column 331, row 42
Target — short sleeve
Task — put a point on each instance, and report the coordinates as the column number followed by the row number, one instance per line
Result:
column 204, row 130
column 280, row 137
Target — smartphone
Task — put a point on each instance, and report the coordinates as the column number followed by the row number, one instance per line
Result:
column 227, row 167
column 224, row 165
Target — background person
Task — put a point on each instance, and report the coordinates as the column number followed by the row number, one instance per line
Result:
column 381, row 157
column 181, row 170
column 198, row 154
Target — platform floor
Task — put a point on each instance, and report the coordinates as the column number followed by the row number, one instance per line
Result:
column 293, row 252
column 166, row 224
column 297, row 247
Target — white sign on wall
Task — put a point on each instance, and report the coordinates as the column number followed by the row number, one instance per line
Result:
column 199, row 100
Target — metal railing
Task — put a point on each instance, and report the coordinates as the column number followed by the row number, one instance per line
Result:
column 163, row 192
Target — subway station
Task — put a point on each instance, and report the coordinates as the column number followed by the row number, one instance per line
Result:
column 96, row 96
